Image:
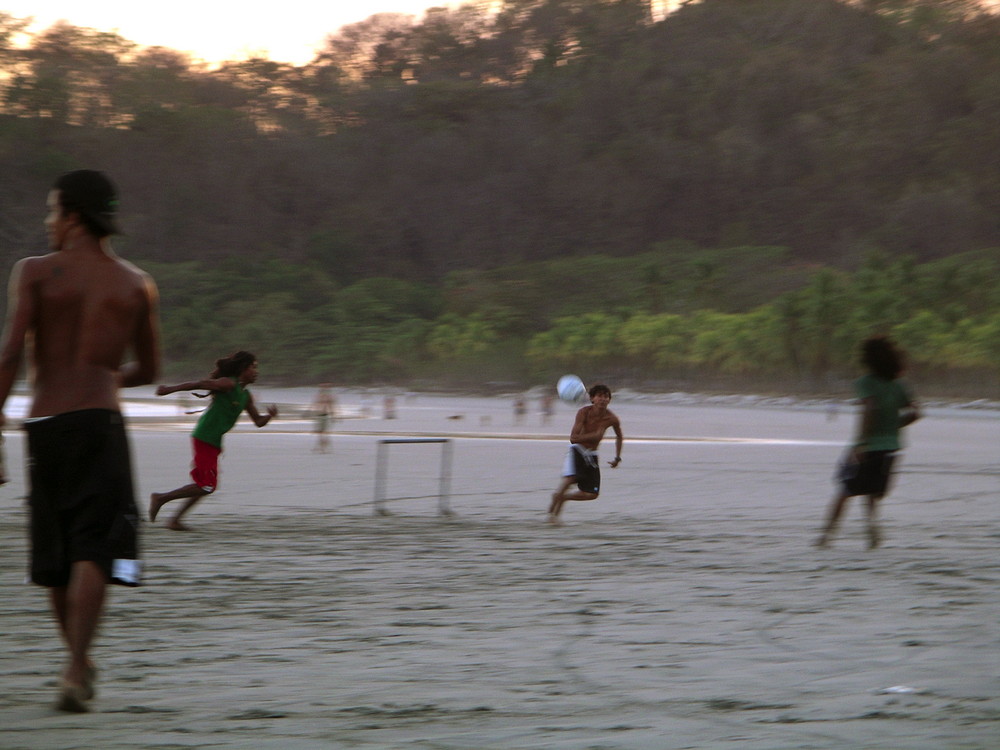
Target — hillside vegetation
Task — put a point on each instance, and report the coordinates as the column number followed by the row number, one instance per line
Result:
column 729, row 197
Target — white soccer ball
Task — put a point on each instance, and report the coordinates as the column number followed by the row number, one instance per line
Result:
column 571, row 389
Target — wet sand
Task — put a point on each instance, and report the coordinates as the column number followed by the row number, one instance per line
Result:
column 685, row 608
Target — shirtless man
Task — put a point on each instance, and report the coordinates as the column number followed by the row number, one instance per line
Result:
column 82, row 308
column 581, row 466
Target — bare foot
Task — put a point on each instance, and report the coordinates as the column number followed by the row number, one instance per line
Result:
column 175, row 525
column 155, row 503
column 89, row 678
column 72, row 698
column 874, row 536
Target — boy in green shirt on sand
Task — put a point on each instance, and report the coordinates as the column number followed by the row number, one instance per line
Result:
column 230, row 397
column 887, row 406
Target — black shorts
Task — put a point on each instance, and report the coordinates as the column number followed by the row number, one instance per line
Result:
column 585, row 469
column 81, row 500
column 870, row 475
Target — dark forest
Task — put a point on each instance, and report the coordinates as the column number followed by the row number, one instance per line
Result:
column 731, row 196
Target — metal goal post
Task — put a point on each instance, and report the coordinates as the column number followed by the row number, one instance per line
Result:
column 382, row 470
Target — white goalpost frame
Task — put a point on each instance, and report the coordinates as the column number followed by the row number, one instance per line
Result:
column 382, row 470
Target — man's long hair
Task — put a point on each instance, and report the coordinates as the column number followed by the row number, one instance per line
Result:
column 880, row 355
column 233, row 365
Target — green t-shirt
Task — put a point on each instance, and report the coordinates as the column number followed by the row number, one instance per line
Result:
column 890, row 396
column 221, row 415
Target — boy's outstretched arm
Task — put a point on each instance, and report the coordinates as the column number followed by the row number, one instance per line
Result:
column 260, row 419
column 909, row 414
column 220, row 385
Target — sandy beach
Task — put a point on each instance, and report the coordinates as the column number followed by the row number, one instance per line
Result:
column 685, row 608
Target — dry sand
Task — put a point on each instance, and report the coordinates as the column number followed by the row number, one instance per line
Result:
column 685, row 608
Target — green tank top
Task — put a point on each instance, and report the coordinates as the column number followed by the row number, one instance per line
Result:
column 890, row 396
column 221, row 415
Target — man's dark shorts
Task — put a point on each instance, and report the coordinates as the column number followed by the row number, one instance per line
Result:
column 585, row 469
column 869, row 476
column 82, row 502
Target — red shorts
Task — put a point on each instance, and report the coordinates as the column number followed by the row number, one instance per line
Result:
column 205, row 467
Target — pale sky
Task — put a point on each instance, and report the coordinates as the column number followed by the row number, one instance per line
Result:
column 215, row 30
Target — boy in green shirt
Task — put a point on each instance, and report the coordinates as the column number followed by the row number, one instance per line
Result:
column 230, row 397
column 887, row 406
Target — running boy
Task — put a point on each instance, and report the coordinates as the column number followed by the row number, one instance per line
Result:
column 581, row 466
column 227, row 386
column 887, row 406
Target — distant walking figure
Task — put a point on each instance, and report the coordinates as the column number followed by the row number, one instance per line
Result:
column 547, row 408
column 887, row 406
column 324, row 409
column 581, row 465
column 520, row 409
column 227, row 386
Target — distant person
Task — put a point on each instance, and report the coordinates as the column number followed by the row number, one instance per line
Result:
column 324, row 411
column 227, row 385
column 83, row 308
column 886, row 406
column 520, row 409
column 547, row 408
column 581, row 466
column 389, row 407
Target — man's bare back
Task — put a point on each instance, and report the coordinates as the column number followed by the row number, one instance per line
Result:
column 80, row 309
column 89, row 308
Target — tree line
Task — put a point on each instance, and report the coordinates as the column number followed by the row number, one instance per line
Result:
column 527, row 130
column 431, row 188
column 674, row 317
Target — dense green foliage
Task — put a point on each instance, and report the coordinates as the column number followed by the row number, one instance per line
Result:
column 663, row 318
column 507, row 190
